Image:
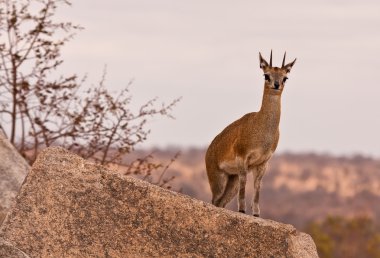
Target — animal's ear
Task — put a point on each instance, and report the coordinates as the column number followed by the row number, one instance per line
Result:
column 263, row 63
column 289, row 66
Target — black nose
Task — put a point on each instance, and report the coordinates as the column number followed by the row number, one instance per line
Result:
column 276, row 85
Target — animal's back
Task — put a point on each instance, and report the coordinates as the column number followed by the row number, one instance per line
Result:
column 224, row 144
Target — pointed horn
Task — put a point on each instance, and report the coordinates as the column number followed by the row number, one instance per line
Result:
column 283, row 60
column 270, row 61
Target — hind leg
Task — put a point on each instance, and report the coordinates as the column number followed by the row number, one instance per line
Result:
column 218, row 182
column 230, row 190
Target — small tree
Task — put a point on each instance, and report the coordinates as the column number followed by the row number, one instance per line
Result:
column 40, row 109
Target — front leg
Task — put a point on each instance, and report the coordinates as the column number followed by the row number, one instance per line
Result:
column 257, row 177
column 242, row 182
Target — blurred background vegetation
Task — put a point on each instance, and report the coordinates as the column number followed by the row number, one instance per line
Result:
column 346, row 237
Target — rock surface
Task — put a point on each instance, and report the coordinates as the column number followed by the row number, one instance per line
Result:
column 13, row 169
column 9, row 251
column 68, row 207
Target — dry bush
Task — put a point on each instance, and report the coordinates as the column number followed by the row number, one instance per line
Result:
column 40, row 108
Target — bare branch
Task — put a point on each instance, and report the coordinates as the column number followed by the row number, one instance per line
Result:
column 46, row 109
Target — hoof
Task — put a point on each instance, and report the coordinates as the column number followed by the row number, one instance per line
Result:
column 256, row 215
column 242, row 211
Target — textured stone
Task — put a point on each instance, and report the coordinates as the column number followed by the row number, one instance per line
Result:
column 68, row 207
column 13, row 169
column 9, row 251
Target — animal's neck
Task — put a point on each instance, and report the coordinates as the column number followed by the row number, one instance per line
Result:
column 270, row 111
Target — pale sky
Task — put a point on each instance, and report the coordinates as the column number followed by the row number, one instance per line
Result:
column 207, row 52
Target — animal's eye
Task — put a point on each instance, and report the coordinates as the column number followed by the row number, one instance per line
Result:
column 267, row 77
column 284, row 80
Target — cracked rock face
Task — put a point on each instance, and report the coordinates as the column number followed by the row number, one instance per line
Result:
column 13, row 169
column 68, row 207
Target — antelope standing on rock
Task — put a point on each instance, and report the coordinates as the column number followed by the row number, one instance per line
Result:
column 247, row 144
